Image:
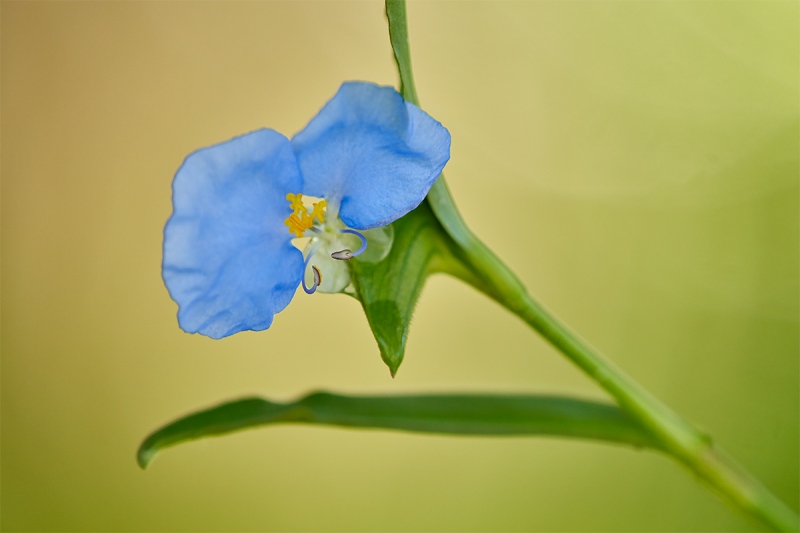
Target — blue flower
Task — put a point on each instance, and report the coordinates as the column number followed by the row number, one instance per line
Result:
column 369, row 158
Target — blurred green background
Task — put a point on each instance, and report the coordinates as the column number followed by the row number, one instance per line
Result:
column 636, row 163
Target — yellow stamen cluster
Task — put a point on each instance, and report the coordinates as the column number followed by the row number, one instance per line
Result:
column 299, row 221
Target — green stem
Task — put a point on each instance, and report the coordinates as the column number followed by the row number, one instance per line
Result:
column 678, row 437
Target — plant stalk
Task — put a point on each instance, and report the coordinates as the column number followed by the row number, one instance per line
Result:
column 679, row 439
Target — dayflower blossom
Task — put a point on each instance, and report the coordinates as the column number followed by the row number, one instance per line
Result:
column 366, row 159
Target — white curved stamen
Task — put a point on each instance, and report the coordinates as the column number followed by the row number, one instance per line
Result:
column 315, row 271
column 346, row 254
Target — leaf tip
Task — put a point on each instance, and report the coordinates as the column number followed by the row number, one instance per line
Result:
column 144, row 456
column 147, row 451
column 392, row 358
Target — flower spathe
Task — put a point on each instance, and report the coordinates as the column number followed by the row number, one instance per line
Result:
column 229, row 262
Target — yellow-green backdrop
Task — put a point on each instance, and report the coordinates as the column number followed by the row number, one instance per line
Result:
column 635, row 162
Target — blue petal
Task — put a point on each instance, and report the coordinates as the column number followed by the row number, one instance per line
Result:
column 373, row 152
column 228, row 258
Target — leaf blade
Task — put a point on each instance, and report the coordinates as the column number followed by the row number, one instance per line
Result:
column 456, row 414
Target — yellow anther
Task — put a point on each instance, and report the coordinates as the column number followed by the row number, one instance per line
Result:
column 319, row 211
column 296, row 202
column 297, row 226
column 300, row 221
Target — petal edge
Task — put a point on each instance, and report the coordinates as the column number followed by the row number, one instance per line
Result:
column 372, row 152
column 228, row 261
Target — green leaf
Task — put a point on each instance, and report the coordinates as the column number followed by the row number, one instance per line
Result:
column 436, row 414
column 389, row 289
